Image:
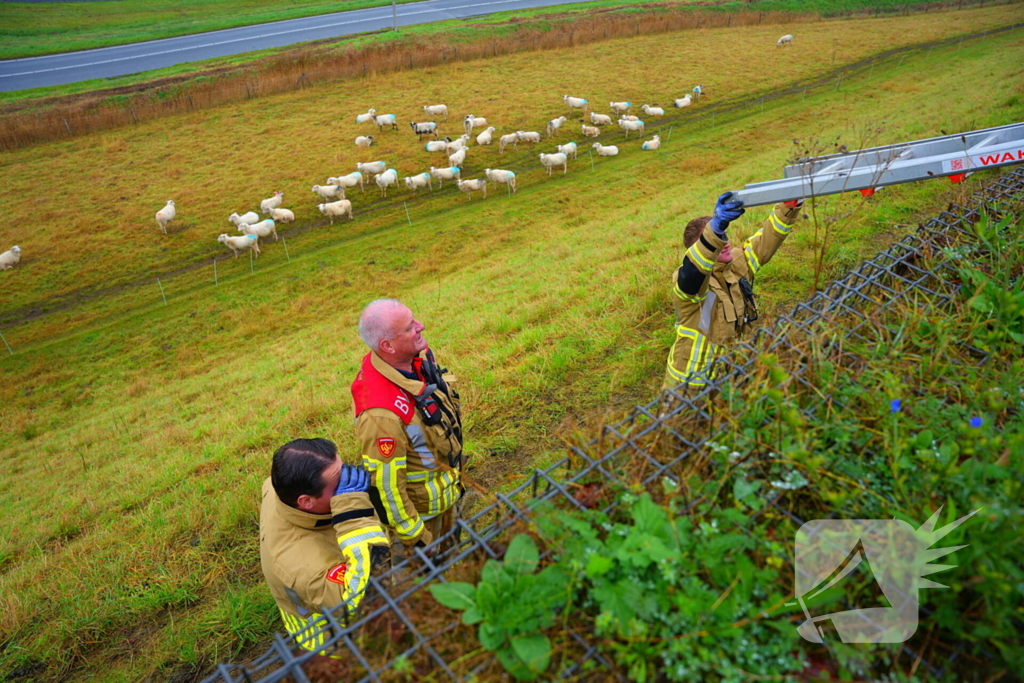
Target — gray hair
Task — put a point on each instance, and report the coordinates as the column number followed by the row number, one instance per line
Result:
column 374, row 325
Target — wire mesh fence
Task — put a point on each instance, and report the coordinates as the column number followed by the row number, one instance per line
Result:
column 400, row 621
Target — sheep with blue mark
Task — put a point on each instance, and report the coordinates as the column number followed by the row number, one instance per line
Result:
column 240, row 243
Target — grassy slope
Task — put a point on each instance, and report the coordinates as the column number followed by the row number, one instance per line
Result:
column 143, row 437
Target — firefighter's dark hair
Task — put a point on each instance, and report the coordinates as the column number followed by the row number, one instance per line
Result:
column 298, row 467
column 694, row 229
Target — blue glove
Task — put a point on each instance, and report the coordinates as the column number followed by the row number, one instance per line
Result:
column 354, row 479
column 725, row 213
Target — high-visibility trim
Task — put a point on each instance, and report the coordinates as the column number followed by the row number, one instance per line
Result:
column 702, row 353
column 362, row 536
column 779, row 226
column 689, row 298
column 357, row 561
column 305, row 631
column 698, row 258
column 407, row 523
column 752, row 261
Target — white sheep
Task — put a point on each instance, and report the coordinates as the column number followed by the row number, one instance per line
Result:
column 471, row 122
column 471, row 186
column 698, row 90
column 10, row 258
column 549, row 161
column 248, row 217
column 485, row 137
column 240, row 243
column 652, row 144
column 506, row 140
column 631, row 126
column 785, row 40
column 575, row 103
column 371, row 167
column 498, row 175
column 605, row 150
column 386, row 120
column 282, row 216
column 437, row 110
column 385, row 180
column 265, row 228
column 652, row 111
column 272, row 202
column 351, row 180
column 445, row 173
column 364, row 141
column 568, row 149
column 629, row 117
column 425, row 128
column 333, row 210
column 367, row 117
column 328, row 192
column 683, row 101
column 164, row 215
column 600, row 119
column 438, row 145
column 458, row 158
column 620, row 107
column 555, row 124
column 414, row 182
column 461, row 142
column 528, row 136
column 591, row 131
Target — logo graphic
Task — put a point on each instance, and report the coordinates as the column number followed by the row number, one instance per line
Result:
column 386, row 446
column 337, row 573
column 890, row 553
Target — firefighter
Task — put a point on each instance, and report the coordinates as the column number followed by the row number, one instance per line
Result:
column 714, row 287
column 320, row 537
column 409, row 423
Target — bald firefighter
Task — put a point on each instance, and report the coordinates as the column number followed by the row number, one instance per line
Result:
column 409, row 422
column 319, row 537
column 714, row 287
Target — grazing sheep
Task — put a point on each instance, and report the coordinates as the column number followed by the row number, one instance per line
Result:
column 351, row 180
column 461, row 142
column 629, row 117
column 529, row 136
column 272, row 202
column 282, row 216
column 568, row 149
column 328, row 192
column 342, row 207
column 620, row 107
column 264, row 228
column 248, row 217
column 652, row 111
column 555, row 124
column 605, row 150
column 414, row 182
column 549, row 161
column 591, row 131
column 425, row 128
column 506, row 140
column 635, row 126
column 364, row 141
column 370, row 115
column 698, row 90
column 497, row 175
column 438, row 145
column 386, row 179
column 471, row 122
column 600, row 119
column 10, row 258
column 652, row 144
column 471, row 186
column 240, row 243
column 164, row 215
column 575, row 103
column 458, row 157
column 437, row 110
column 485, row 137
column 386, row 120
column 682, row 102
column 785, row 40
column 446, row 173
column 371, row 167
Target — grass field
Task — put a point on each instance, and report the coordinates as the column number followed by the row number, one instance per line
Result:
column 135, row 436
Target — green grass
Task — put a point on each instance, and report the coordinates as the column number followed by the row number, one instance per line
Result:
column 135, row 436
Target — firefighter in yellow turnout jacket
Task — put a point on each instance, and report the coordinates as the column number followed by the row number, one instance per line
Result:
column 409, row 422
column 320, row 538
column 713, row 287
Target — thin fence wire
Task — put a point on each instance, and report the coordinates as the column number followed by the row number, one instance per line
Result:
column 399, row 598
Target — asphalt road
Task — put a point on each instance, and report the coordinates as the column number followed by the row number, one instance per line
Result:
column 109, row 62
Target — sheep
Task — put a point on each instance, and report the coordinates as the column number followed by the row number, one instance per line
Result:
column 568, row 149
column 248, row 217
column 364, row 141
column 471, row 186
column 264, row 228
column 164, row 215
column 620, row 107
column 282, row 215
column 555, row 124
column 438, row 145
column 698, row 90
column 652, row 144
column 458, row 157
column 575, row 103
column 785, row 40
column 591, row 131
column 437, row 110
column 600, row 119
column 682, row 102
column 529, row 136
column 240, row 243
column 327, row 192
column 629, row 117
column 506, row 140
column 385, row 179
column 351, row 180
column 10, row 258
column 652, row 111
column 628, row 126
column 336, row 209
column 458, row 143
column 471, row 122
column 497, row 175
column 485, row 137
column 272, row 202
column 370, row 115
column 386, row 120
column 445, row 173
column 605, row 150
column 371, row 167
column 426, row 128
column 414, row 182
column 549, row 161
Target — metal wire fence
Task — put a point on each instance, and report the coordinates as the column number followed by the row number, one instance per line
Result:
column 398, row 602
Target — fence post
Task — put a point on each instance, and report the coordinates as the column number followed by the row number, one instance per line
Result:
column 162, row 291
column 215, row 282
column 591, row 153
column 68, row 127
column 407, row 213
column 190, row 104
column 762, row 105
column 6, row 344
column 670, row 132
column 134, row 117
column 286, row 255
column 251, row 271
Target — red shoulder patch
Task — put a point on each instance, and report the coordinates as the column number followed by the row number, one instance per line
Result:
column 386, row 446
column 337, row 573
